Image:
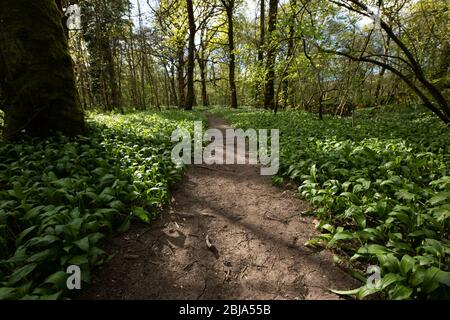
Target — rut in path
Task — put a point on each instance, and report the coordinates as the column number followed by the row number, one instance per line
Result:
column 256, row 228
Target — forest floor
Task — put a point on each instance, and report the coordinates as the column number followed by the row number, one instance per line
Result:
column 257, row 232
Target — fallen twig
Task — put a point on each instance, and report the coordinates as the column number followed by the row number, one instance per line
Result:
column 189, row 265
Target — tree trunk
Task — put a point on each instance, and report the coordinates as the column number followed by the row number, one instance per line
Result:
column 262, row 32
column 202, row 66
column 269, row 95
column 262, row 39
column 112, row 79
column 190, row 98
column 173, row 86
column 132, row 66
column 143, row 57
column 381, row 75
column 229, row 8
column 36, row 72
column 442, row 110
column 318, row 77
column 290, row 53
column 180, row 77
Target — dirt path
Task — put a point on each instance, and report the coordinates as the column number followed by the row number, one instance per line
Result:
column 256, row 228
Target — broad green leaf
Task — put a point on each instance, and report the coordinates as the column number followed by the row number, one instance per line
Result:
column 389, row 262
column 141, row 214
column 83, row 243
column 43, row 255
column 400, row 292
column 373, row 249
column 431, row 280
column 23, row 234
column 389, row 279
column 343, row 235
column 346, row 292
column 79, row 260
column 440, row 198
column 405, row 195
column 21, row 273
column 406, row 265
column 124, row 226
column 58, row 279
column 7, row 293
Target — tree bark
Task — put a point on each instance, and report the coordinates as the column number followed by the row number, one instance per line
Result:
column 202, row 66
column 111, row 71
column 269, row 95
column 190, row 98
column 143, row 58
column 262, row 39
column 180, row 78
column 262, row 31
column 36, row 72
column 290, row 53
column 229, row 8
column 132, row 66
column 381, row 75
column 173, row 86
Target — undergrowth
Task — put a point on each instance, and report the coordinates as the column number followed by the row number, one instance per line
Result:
column 381, row 189
column 59, row 197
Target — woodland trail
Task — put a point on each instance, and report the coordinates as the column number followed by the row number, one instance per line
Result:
column 256, row 228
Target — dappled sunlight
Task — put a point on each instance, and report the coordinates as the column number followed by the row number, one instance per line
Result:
column 74, row 191
column 380, row 187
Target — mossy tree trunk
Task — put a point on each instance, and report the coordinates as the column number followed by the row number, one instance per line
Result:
column 36, row 73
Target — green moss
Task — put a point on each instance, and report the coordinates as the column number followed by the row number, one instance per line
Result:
column 39, row 85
